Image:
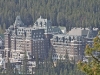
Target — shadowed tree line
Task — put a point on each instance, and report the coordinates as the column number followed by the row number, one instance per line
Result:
column 68, row 13
column 92, row 66
column 45, row 67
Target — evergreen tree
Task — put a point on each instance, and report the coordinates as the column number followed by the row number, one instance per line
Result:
column 25, row 65
column 69, row 13
column 9, row 68
column 92, row 67
column 16, row 72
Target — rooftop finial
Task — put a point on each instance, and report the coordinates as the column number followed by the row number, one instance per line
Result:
column 40, row 16
column 18, row 21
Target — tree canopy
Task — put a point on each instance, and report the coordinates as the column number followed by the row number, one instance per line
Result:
column 69, row 13
column 92, row 67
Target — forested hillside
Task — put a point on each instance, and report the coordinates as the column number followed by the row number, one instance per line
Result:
column 62, row 12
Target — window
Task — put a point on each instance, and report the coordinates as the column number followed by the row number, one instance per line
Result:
column 36, row 35
column 33, row 36
column 45, row 24
column 39, row 35
column 41, row 24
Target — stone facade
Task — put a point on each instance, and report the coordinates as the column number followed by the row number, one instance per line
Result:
column 39, row 39
column 73, row 45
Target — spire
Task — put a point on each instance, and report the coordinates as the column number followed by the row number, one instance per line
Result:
column 90, row 33
column 40, row 16
column 18, row 22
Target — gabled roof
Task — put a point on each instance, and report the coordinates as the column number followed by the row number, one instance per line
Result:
column 45, row 24
column 18, row 22
column 90, row 34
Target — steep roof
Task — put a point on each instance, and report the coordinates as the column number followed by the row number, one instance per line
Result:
column 45, row 24
column 18, row 21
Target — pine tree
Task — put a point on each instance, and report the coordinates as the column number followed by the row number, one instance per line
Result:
column 16, row 72
column 92, row 67
column 9, row 68
column 37, row 64
column 25, row 66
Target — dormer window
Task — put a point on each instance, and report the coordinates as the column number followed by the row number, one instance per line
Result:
column 41, row 24
column 45, row 23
